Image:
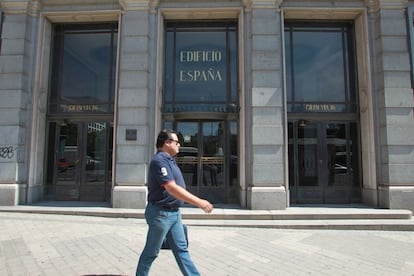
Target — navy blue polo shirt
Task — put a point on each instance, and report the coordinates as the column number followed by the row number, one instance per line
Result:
column 162, row 170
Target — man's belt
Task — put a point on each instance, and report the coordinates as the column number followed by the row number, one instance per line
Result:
column 166, row 207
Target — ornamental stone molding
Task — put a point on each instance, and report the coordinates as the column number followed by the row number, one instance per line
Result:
column 376, row 5
column 154, row 5
column 139, row 5
column 262, row 4
column 30, row 7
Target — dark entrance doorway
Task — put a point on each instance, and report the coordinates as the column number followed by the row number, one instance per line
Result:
column 323, row 162
column 201, row 102
column 80, row 161
column 322, row 105
column 80, row 112
column 208, row 159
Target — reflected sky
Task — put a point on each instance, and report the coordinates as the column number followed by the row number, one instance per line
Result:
column 317, row 64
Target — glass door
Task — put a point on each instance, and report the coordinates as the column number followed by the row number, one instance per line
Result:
column 304, row 171
column 97, row 171
column 204, row 159
column 323, row 162
column 80, row 161
column 67, row 165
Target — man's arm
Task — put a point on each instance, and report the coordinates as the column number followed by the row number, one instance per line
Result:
column 184, row 195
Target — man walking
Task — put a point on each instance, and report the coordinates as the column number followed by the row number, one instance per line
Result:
column 166, row 194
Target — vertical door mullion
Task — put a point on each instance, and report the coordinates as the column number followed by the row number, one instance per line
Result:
column 107, row 158
column 55, row 156
column 323, row 159
column 226, row 158
column 349, row 184
column 199, row 156
column 295, row 160
column 81, row 157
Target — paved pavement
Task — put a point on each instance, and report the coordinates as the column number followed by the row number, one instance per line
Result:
column 53, row 244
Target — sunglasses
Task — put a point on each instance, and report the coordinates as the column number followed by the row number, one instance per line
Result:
column 176, row 141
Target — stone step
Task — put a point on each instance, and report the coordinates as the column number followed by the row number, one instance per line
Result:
column 331, row 224
column 328, row 224
column 333, row 217
column 226, row 213
column 299, row 213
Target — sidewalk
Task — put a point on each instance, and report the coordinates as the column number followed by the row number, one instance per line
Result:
column 354, row 217
column 36, row 244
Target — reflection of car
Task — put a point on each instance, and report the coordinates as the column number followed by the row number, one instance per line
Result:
column 187, row 151
column 234, row 166
column 187, row 159
column 63, row 165
column 90, row 160
column 339, row 168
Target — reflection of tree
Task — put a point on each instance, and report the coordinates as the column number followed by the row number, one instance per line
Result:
column 71, row 134
column 95, row 139
column 220, row 135
column 331, row 148
column 62, row 145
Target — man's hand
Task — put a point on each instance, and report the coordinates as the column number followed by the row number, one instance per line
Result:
column 205, row 206
column 184, row 195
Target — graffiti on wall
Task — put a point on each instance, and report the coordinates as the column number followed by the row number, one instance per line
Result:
column 7, row 152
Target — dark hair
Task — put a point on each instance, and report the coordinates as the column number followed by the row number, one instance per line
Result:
column 163, row 136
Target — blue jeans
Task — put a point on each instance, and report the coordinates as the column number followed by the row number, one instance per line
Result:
column 165, row 223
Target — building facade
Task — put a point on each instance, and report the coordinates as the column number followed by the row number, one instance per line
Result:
column 276, row 103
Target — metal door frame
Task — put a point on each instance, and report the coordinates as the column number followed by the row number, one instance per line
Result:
column 323, row 187
column 81, row 170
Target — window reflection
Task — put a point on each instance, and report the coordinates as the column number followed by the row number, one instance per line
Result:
column 318, row 68
column 83, row 74
column 201, row 68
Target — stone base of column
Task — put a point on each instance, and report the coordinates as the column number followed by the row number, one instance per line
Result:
column 397, row 197
column 34, row 194
column 9, row 194
column 370, row 196
column 266, row 198
column 130, row 197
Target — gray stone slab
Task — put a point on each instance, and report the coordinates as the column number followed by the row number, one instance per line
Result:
column 82, row 245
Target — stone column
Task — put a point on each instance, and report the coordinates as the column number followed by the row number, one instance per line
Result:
column 394, row 100
column 266, row 189
column 134, row 103
column 16, row 79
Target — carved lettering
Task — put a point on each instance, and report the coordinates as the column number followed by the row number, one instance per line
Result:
column 200, row 56
column 80, row 108
column 200, row 75
column 320, row 107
